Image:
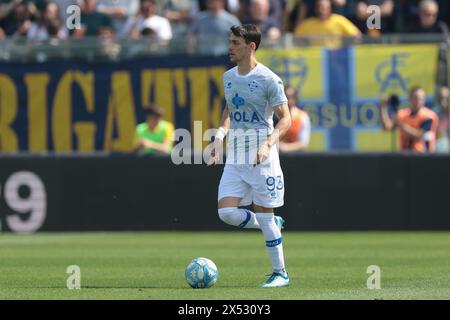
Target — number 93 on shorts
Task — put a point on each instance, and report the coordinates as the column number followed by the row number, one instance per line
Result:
column 262, row 185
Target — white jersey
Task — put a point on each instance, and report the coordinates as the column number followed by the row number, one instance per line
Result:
column 250, row 99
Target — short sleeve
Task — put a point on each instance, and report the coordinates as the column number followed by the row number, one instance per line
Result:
column 349, row 29
column 169, row 133
column 276, row 95
column 165, row 30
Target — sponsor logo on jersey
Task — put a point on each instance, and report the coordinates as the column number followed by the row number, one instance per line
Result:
column 238, row 101
column 244, row 116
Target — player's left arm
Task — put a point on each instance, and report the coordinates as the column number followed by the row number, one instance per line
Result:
column 283, row 125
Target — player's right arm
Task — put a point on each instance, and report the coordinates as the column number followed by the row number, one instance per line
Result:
column 224, row 126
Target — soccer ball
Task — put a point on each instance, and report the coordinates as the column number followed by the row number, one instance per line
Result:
column 201, row 273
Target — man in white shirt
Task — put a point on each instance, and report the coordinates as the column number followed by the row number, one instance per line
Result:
column 148, row 19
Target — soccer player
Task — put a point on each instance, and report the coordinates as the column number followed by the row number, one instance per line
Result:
column 253, row 93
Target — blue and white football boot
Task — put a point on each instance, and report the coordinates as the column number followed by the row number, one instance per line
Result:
column 276, row 280
column 279, row 221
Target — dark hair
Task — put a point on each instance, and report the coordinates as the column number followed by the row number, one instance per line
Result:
column 148, row 32
column 414, row 89
column 249, row 32
column 153, row 110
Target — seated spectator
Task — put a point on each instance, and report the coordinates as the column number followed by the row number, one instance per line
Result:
column 212, row 27
column 119, row 11
column 148, row 19
column 49, row 25
column 428, row 19
column 91, row 20
column 417, row 124
column 442, row 110
column 297, row 137
column 326, row 23
column 155, row 135
column 259, row 16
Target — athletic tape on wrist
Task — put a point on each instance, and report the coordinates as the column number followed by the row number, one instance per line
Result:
column 220, row 134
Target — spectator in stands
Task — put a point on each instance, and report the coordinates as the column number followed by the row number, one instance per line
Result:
column 212, row 27
column 49, row 25
column 215, row 21
column 443, row 130
column 326, row 23
column 35, row 7
column 118, row 10
column 108, row 45
column 148, row 19
column 92, row 21
column 15, row 18
column 387, row 16
column 428, row 19
column 417, row 124
column 180, row 13
column 155, row 135
column 6, row 9
column 296, row 11
column 259, row 16
column 297, row 137
column 275, row 10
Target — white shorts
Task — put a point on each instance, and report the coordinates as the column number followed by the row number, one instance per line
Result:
column 262, row 185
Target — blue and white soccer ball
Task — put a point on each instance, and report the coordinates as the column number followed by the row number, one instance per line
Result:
column 201, row 273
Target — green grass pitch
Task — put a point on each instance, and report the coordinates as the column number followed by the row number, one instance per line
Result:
column 150, row 265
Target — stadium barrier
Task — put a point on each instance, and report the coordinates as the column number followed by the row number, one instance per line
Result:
column 65, row 106
column 323, row 192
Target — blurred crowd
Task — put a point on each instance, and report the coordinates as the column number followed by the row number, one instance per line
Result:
column 166, row 19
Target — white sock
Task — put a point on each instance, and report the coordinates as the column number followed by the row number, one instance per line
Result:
column 241, row 218
column 273, row 238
